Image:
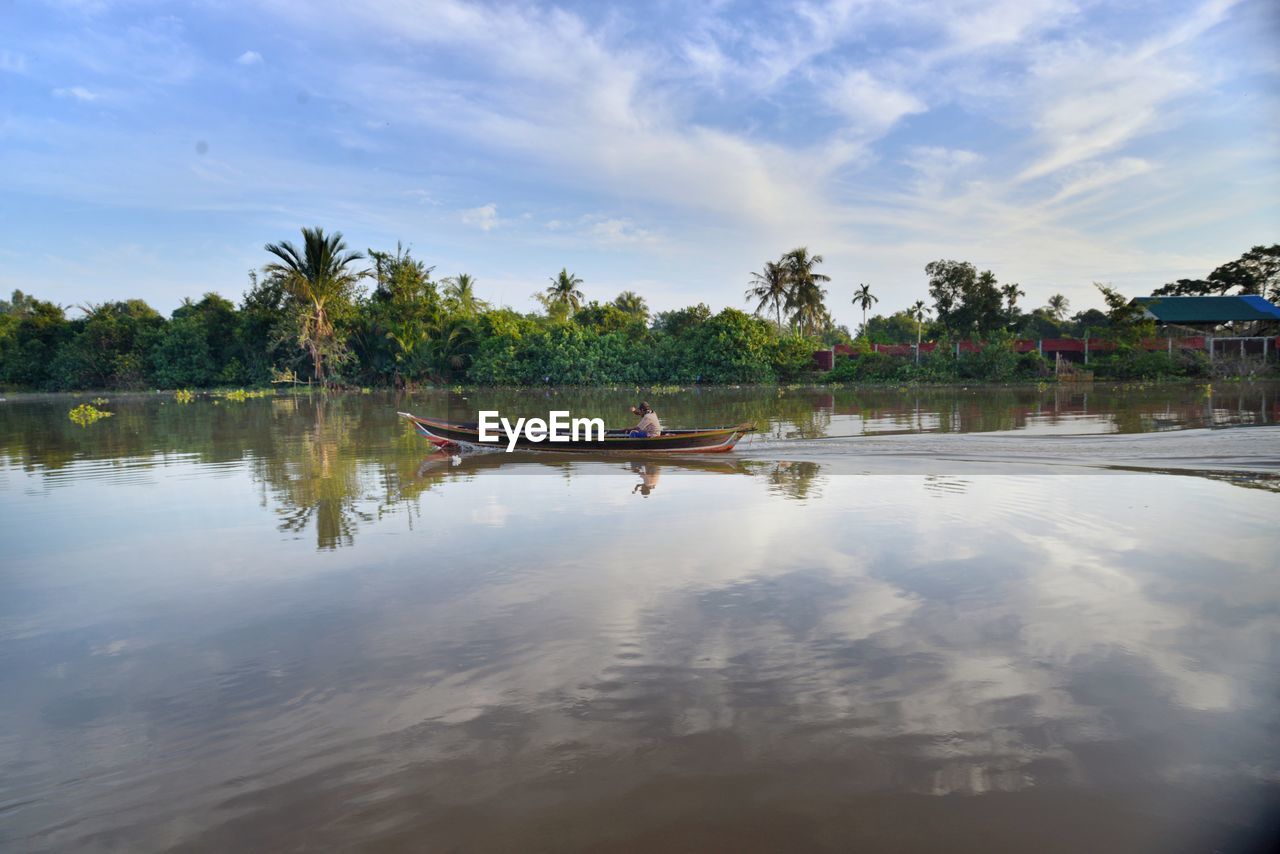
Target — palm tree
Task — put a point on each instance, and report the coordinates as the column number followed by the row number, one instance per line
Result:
column 1058, row 305
column 461, row 293
column 1011, row 294
column 632, row 303
column 863, row 297
column 918, row 312
column 563, row 292
column 805, row 294
column 316, row 276
column 409, row 333
column 455, row 343
column 770, row 288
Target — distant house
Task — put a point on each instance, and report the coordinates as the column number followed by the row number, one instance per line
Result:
column 1208, row 313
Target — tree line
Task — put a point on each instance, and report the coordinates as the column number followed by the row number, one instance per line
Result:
column 969, row 305
column 320, row 312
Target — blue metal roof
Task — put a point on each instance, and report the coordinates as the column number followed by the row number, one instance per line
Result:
column 1209, row 309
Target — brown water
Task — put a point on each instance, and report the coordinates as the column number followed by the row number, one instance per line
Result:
column 283, row 624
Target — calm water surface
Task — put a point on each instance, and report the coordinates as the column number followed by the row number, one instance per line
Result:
column 284, row 624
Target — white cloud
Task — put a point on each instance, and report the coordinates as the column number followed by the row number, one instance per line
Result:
column 741, row 135
column 974, row 25
column 937, row 167
column 78, row 93
column 1096, row 103
column 1094, row 100
column 593, row 106
column 601, row 230
column 1095, row 176
column 873, row 105
column 619, row 231
column 484, row 217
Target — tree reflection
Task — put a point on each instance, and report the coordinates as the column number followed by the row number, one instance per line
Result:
column 315, row 475
column 342, row 461
column 797, row 480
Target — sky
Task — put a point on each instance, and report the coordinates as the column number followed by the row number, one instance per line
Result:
column 150, row 149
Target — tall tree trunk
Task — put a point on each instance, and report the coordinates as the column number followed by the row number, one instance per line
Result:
column 317, row 351
column 317, row 366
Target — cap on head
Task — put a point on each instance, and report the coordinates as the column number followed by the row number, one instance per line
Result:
column 643, row 406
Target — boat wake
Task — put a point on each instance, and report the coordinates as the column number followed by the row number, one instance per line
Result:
column 1243, row 449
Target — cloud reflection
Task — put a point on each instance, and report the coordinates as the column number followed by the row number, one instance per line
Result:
column 1000, row 643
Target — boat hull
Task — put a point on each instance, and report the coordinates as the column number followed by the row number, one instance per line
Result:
column 712, row 441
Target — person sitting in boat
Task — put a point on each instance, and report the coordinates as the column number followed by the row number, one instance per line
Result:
column 649, row 425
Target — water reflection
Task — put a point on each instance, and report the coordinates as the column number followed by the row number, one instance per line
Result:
column 649, row 474
column 875, row 669
column 330, row 466
column 317, row 480
column 797, row 480
column 943, row 486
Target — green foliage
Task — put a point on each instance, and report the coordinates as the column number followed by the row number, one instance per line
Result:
column 240, row 395
column 967, row 303
column 769, row 289
column 792, row 286
column 864, row 299
column 901, row 327
column 86, row 414
column 460, row 295
column 805, row 294
column 792, row 357
column 732, row 347
column 610, row 318
column 562, row 297
column 599, row 348
column 995, row 364
column 321, row 286
column 1127, row 321
column 1156, row 364
column 31, row 333
column 681, row 321
column 306, row 317
column 1042, row 323
column 181, row 355
column 395, row 331
column 633, row 304
column 109, row 348
column 1255, row 272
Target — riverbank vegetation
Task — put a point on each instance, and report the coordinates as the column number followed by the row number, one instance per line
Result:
column 998, row 363
column 320, row 313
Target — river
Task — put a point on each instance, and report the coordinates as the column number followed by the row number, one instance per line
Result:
column 1040, row 619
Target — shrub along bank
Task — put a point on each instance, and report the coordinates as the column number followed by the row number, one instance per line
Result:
column 1002, row 365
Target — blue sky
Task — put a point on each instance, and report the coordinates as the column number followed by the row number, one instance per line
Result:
column 150, row 149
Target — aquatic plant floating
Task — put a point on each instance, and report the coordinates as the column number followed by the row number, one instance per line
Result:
column 240, row 395
column 184, row 395
column 86, row 413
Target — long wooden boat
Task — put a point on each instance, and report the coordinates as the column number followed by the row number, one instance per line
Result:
column 715, row 440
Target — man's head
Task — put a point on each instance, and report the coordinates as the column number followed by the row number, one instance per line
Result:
column 642, row 407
